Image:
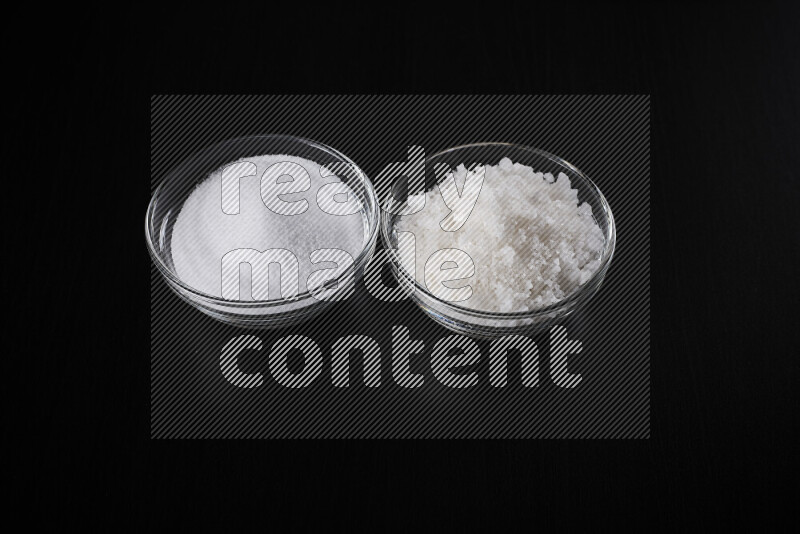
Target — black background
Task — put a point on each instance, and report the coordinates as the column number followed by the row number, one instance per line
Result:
column 724, row 86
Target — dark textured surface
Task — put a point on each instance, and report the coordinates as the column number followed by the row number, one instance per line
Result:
column 723, row 83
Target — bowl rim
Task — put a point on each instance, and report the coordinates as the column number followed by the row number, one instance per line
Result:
column 342, row 280
column 566, row 303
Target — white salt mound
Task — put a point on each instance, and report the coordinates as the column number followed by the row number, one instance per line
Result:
column 203, row 233
column 532, row 244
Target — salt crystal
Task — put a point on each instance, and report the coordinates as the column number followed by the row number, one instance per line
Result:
column 513, row 272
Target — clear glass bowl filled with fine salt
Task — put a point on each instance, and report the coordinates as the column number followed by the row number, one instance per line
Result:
column 263, row 231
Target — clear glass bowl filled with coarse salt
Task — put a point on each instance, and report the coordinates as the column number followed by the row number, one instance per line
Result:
column 503, row 240
column 263, row 231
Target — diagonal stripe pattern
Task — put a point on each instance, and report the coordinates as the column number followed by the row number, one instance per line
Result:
column 338, row 375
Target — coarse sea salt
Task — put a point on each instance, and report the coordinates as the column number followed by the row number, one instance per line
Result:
column 203, row 233
column 532, row 243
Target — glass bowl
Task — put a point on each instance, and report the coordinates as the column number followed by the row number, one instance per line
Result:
column 168, row 199
column 489, row 324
